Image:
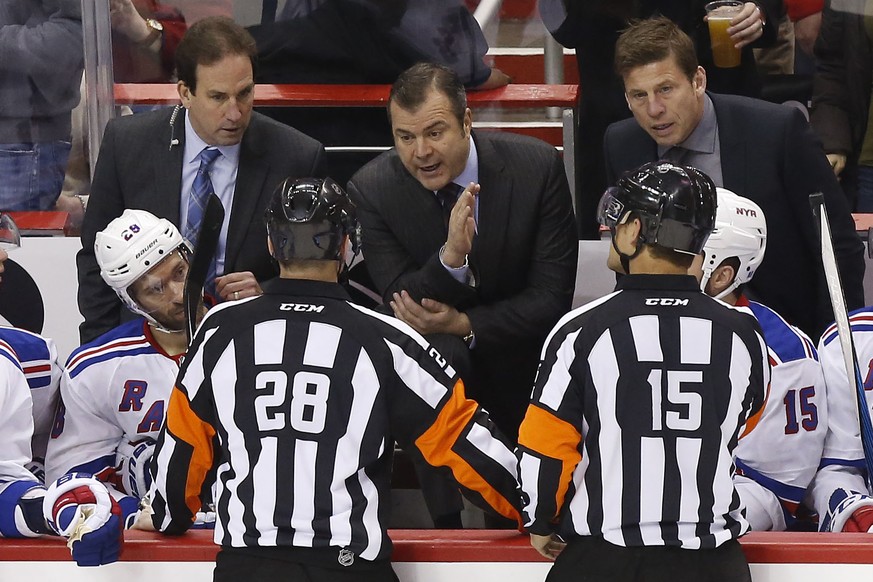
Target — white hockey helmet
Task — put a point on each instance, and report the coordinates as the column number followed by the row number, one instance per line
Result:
column 130, row 246
column 741, row 232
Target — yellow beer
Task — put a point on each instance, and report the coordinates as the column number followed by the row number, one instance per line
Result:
column 724, row 54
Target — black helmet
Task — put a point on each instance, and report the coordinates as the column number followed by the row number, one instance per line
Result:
column 307, row 219
column 675, row 204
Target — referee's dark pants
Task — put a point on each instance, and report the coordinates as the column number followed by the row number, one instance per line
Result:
column 295, row 565
column 592, row 559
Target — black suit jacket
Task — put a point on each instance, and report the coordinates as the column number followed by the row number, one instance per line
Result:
column 524, row 256
column 137, row 168
column 770, row 155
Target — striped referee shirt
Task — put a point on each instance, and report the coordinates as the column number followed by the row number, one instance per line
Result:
column 636, row 410
column 304, row 394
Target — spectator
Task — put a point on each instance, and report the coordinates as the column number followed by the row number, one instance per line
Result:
column 592, row 28
column 806, row 16
column 626, row 449
column 145, row 37
column 765, row 150
column 841, row 101
column 301, row 418
column 151, row 161
column 776, row 458
column 365, row 41
column 41, row 62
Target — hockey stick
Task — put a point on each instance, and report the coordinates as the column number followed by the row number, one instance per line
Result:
column 207, row 241
column 844, row 331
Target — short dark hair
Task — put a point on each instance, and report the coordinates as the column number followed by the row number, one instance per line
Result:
column 674, row 257
column 652, row 40
column 414, row 84
column 208, row 41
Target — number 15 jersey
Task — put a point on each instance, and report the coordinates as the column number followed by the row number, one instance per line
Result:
column 635, row 413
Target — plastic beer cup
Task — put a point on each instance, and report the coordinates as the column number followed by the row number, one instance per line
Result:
column 719, row 16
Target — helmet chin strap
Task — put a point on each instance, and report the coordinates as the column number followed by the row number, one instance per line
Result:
column 625, row 258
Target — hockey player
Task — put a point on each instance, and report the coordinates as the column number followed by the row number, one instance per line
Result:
column 115, row 390
column 26, row 397
column 38, row 357
column 626, row 448
column 840, row 492
column 21, row 492
column 778, row 457
column 302, row 393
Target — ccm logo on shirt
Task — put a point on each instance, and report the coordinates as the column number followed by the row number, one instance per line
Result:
column 302, row 307
column 666, row 301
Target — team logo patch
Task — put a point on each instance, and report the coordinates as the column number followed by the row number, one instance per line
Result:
column 346, row 557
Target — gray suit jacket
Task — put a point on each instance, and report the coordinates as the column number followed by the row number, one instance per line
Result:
column 524, row 255
column 137, row 168
column 770, row 155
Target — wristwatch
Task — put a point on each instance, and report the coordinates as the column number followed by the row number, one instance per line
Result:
column 156, row 30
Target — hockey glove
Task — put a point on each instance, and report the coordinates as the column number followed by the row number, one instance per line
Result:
column 80, row 508
column 133, row 460
column 848, row 511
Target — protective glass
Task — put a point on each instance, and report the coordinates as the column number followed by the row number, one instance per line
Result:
column 10, row 237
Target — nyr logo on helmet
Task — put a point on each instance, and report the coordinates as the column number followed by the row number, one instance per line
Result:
column 747, row 212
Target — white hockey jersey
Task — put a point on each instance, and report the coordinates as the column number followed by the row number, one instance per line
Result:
column 780, row 455
column 39, row 361
column 16, row 428
column 113, row 390
column 842, row 462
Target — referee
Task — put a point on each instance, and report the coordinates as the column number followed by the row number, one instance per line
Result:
column 625, row 450
column 294, row 397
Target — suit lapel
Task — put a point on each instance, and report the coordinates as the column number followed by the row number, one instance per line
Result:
column 734, row 163
column 419, row 209
column 167, row 169
column 250, row 178
column 495, row 207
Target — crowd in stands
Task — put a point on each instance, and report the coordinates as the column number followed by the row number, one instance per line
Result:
column 713, row 371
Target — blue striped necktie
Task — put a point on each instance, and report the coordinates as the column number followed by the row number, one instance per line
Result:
column 200, row 192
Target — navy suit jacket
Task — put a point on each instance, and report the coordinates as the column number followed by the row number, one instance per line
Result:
column 137, row 168
column 770, row 155
column 524, row 256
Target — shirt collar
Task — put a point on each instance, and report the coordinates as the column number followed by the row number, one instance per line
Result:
column 658, row 282
column 471, row 170
column 702, row 139
column 194, row 145
column 305, row 287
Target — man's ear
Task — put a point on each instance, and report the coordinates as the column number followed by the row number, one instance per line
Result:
column 722, row 278
column 184, row 93
column 698, row 81
column 629, row 236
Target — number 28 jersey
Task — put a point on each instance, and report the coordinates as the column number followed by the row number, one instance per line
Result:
column 304, row 394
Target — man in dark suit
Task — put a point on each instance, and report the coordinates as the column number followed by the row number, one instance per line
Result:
column 764, row 151
column 487, row 285
column 151, row 161
column 591, row 27
column 503, row 270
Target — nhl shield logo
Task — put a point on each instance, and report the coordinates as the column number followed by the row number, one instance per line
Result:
column 346, row 557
